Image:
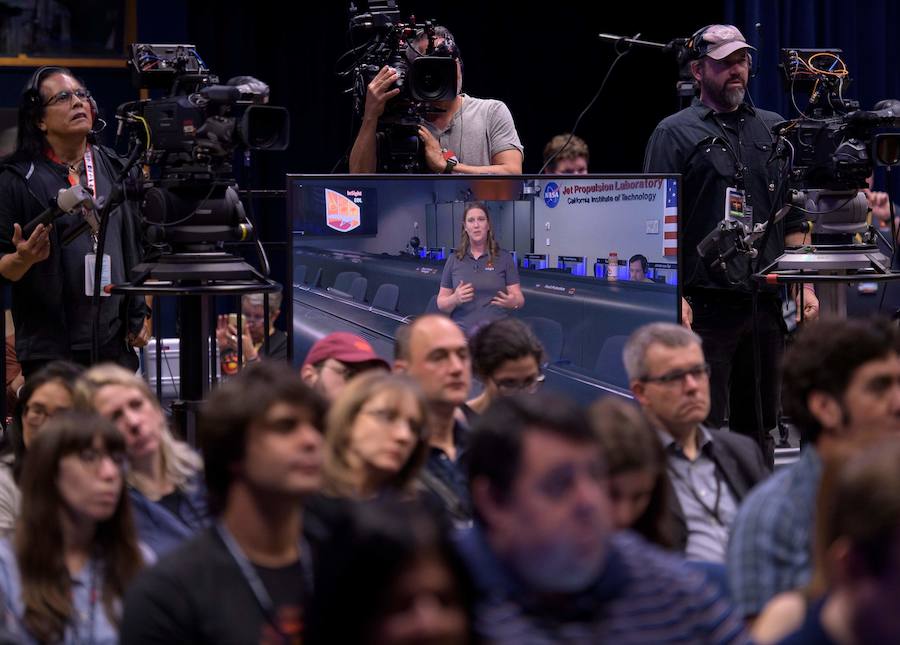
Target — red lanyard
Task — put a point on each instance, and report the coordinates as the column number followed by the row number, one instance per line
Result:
column 88, row 169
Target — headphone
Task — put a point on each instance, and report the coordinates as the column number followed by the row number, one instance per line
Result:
column 694, row 42
column 34, row 102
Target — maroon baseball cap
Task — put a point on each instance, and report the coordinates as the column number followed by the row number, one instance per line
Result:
column 720, row 41
column 344, row 347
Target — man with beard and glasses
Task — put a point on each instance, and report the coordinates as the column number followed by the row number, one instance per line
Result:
column 722, row 147
column 546, row 563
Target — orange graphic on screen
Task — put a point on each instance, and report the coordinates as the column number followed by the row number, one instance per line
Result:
column 341, row 213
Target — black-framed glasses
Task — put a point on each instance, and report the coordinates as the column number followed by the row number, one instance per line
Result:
column 92, row 458
column 511, row 386
column 66, row 96
column 678, row 376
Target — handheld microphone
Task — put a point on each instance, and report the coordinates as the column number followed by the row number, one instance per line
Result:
column 67, row 201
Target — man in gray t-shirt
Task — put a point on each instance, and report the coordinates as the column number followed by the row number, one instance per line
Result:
column 469, row 135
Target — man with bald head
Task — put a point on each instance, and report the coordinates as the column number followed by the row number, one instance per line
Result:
column 433, row 351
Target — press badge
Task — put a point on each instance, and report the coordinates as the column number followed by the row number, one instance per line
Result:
column 90, row 264
column 736, row 207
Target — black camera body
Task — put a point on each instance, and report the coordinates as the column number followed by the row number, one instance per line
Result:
column 830, row 145
column 187, row 141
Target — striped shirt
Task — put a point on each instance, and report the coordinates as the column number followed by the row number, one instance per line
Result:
column 643, row 595
column 770, row 549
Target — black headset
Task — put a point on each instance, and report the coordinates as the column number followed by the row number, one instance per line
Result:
column 694, row 42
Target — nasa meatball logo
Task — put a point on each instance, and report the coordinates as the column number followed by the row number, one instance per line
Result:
column 551, row 194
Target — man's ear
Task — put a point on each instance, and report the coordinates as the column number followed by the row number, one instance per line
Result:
column 695, row 69
column 309, row 374
column 825, row 409
column 401, row 366
column 638, row 388
column 493, row 511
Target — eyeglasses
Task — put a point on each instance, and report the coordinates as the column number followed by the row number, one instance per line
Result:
column 389, row 416
column 66, row 97
column 511, row 386
column 39, row 413
column 678, row 376
column 92, row 458
column 344, row 370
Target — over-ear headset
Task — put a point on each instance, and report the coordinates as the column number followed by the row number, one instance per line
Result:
column 32, row 99
column 694, row 43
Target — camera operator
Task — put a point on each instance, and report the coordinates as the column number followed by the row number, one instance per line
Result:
column 722, row 146
column 51, row 301
column 466, row 135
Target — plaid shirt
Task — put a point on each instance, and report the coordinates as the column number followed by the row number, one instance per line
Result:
column 770, row 550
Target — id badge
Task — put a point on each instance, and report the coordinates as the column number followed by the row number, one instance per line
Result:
column 90, row 263
column 736, row 207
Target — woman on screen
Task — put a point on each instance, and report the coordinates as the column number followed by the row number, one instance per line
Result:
column 480, row 281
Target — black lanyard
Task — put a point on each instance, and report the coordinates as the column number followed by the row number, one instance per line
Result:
column 714, row 511
column 263, row 599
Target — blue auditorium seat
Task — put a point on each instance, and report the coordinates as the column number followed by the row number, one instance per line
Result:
column 386, row 297
column 358, row 289
column 550, row 333
column 609, row 366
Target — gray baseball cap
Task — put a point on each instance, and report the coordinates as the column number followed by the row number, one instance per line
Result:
column 720, row 41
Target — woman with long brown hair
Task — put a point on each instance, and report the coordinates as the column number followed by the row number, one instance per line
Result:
column 75, row 549
column 375, row 440
column 480, row 282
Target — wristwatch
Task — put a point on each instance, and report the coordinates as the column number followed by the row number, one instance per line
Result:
column 451, row 164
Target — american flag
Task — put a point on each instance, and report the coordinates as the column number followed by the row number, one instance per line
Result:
column 670, row 219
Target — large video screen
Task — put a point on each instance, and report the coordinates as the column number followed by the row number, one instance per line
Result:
column 597, row 254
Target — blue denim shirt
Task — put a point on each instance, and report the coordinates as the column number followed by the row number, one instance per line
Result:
column 90, row 624
column 162, row 530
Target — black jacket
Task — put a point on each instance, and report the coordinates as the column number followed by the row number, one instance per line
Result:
column 741, row 464
column 50, row 315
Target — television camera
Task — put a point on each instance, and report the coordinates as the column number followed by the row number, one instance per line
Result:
column 426, row 71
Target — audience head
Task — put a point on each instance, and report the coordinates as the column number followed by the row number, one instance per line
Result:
column 433, row 351
column 668, row 375
column 391, row 578
column 538, row 483
column 636, row 466
column 507, row 357
column 858, row 526
column 253, row 312
column 262, row 431
column 637, row 268
column 843, row 374
column 376, row 436
column 335, row 359
column 46, row 393
column 571, row 160
column 126, row 399
column 72, row 478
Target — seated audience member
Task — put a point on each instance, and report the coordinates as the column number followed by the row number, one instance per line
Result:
column 636, row 468
column 253, row 333
column 637, row 268
column 507, row 358
column 838, row 375
column 48, row 392
column 335, row 359
column 433, row 351
column 165, row 477
column 569, row 160
column 786, row 612
column 375, row 441
column 392, row 578
column 75, row 548
column 546, row 562
column 857, row 591
column 248, row 578
column 710, row 470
